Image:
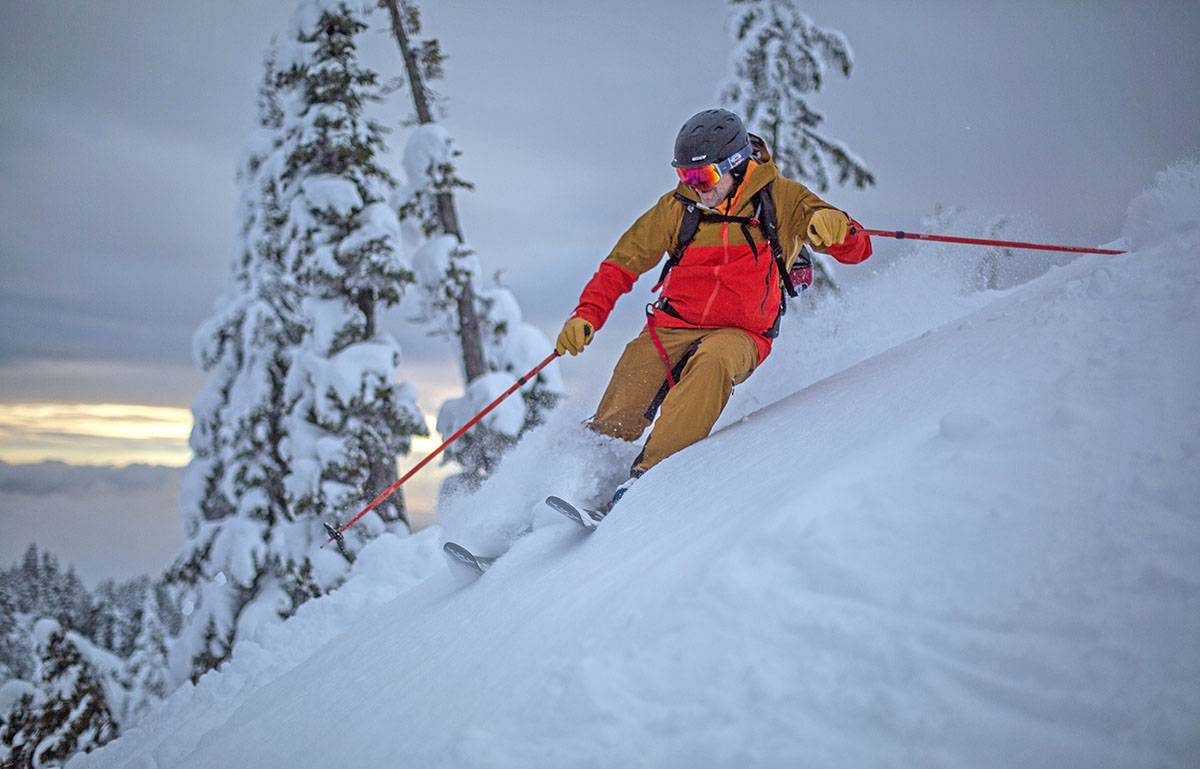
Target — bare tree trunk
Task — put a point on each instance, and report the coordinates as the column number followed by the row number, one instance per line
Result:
column 469, row 335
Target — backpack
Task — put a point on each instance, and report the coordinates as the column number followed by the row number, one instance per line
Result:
column 765, row 218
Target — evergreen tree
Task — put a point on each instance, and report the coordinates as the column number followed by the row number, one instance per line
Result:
column 147, row 668
column 103, row 623
column 52, row 597
column 780, row 58
column 20, row 710
column 64, row 685
column 232, row 489
column 50, row 592
column 457, row 299
column 112, row 618
column 109, row 620
column 348, row 418
column 14, row 650
column 76, row 716
column 29, row 580
column 301, row 420
column 129, row 599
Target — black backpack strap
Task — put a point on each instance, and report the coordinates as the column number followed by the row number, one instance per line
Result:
column 764, row 204
column 765, row 217
column 687, row 233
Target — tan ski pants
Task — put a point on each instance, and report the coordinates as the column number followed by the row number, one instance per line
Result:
column 722, row 358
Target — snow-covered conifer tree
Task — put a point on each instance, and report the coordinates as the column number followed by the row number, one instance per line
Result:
column 13, row 650
column 20, row 709
column 302, row 420
column 232, row 490
column 29, row 582
column 63, row 594
column 457, row 299
column 780, row 58
column 348, row 418
column 76, row 716
column 146, row 670
column 113, row 621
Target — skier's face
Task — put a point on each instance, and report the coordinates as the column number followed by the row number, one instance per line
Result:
column 718, row 193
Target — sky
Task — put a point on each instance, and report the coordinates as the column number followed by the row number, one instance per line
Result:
column 122, row 121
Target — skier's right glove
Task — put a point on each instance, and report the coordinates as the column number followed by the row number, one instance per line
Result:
column 575, row 335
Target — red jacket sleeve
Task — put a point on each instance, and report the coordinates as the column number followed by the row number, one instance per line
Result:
column 854, row 249
column 602, row 292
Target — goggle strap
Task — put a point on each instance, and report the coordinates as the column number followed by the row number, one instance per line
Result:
column 734, row 160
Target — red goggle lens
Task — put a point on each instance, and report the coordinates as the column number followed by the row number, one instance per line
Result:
column 703, row 178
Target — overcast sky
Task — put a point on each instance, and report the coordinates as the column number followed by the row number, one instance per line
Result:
column 122, row 121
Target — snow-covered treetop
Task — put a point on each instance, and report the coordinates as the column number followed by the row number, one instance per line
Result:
column 304, row 22
column 46, row 629
column 12, row 691
column 779, row 57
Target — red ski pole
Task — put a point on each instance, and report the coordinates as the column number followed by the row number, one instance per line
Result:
column 981, row 242
column 336, row 534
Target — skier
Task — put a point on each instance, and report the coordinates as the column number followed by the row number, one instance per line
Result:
column 721, row 292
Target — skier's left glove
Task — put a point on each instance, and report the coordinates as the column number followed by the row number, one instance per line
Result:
column 828, row 227
column 575, row 335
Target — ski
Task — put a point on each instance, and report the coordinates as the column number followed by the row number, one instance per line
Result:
column 459, row 554
column 587, row 518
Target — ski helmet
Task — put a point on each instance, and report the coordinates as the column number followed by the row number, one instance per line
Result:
column 709, row 137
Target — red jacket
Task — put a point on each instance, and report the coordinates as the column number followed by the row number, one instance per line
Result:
column 721, row 281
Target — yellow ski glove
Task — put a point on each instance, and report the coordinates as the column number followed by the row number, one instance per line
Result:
column 828, row 227
column 575, row 335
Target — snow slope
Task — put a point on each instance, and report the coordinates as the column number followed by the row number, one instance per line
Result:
column 977, row 547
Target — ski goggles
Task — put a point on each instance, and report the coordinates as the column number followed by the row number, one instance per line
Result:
column 706, row 177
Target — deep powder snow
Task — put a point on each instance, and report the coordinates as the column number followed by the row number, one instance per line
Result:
column 937, row 529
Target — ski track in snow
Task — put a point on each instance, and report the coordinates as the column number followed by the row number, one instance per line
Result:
column 971, row 539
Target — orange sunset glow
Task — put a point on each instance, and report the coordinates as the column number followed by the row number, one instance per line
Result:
column 121, row 434
column 94, row 433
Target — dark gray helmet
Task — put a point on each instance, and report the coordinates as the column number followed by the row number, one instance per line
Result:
column 709, row 137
